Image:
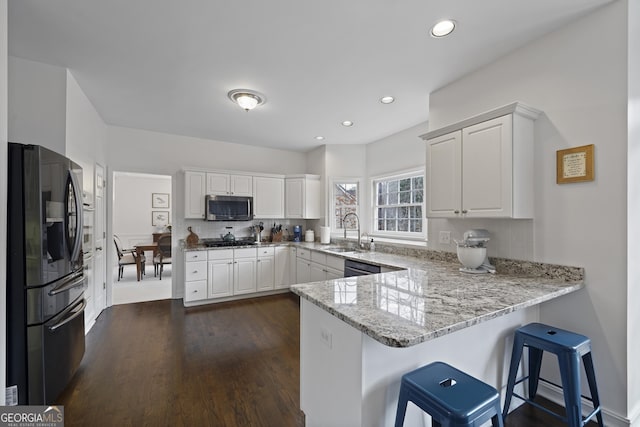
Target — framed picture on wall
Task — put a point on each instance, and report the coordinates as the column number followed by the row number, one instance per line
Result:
column 160, row 200
column 159, row 218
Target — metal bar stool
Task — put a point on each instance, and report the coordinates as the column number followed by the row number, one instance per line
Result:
column 569, row 347
column 450, row 396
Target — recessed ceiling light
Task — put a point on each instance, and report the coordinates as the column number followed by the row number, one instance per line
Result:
column 347, row 123
column 247, row 99
column 319, row 137
column 387, row 99
column 443, row 28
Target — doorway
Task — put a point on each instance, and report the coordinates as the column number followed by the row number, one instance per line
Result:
column 141, row 217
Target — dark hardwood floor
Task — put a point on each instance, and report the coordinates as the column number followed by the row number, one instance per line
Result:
column 228, row 364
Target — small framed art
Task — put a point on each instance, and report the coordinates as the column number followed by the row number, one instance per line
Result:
column 160, row 200
column 575, row 164
column 159, row 218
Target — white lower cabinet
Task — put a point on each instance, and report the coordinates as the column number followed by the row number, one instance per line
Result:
column 195, row 276
column 282, row 268
column 315, row 266
column 220, row 278
column 265, row 268
column 195, row 291
column 244, row 271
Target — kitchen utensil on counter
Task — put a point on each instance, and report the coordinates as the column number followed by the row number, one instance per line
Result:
column 192, row 239
column 309, row 236
column 297, row 233
column 228, row 237
column 325, row 235
column 472, row 252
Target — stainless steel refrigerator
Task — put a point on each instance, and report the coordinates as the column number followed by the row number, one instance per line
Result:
column 45, row 281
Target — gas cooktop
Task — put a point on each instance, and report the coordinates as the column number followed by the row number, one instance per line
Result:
column 223, row 243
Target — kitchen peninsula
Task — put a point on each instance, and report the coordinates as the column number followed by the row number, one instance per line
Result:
column 359, row 335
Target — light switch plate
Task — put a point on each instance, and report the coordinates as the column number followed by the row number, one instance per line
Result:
column 445, row 237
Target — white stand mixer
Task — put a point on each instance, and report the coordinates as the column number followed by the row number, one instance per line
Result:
column 472, row 252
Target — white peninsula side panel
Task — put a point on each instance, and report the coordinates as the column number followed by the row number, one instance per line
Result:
column 348, row 378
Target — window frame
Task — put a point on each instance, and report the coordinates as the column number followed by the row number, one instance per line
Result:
column 332, row 214
column 399, row 235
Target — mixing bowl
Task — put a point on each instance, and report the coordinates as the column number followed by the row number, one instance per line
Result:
column 472, row 256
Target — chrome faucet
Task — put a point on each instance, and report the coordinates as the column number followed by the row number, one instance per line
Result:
column 345, row 228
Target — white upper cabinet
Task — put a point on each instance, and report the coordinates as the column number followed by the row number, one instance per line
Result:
column 194, row 193
column 232, row 185
column 268, row 197
column 302, row 197
column 482, row 167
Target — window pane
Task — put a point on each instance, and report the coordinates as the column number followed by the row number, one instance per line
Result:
column 405, row 184
column 392, row 186
column 405, row 197
column 393, row 198
column 382, row 187
column 416, row 225
column 382, row 199
column 390, row 213
column 403, row 225
column 380, row 213
column 415, row 212
column 417, row 196
column 403, row 212
column 381, row 224
column 418, row 183
column 391, row 225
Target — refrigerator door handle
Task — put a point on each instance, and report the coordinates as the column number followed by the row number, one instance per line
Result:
column 75, row 314
column 73, row 282
column 77, row 192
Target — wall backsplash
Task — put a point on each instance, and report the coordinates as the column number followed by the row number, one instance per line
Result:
column 240, row 229
column 510, row 238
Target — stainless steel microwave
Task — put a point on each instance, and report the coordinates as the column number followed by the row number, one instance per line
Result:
column 228, row 208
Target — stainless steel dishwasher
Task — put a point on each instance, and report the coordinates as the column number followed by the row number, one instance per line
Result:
column 358, row 268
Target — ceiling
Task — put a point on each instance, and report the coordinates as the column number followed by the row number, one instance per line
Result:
column 167, row 65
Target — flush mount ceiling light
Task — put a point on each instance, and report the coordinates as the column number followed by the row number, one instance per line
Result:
column 319, row 137
column 387, row 99
column 443, row 28
column 347, row 123
column 247, row 99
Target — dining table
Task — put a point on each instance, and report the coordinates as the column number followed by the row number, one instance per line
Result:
column 140, row 250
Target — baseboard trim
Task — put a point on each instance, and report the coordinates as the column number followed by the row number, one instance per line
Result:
column 554, row 394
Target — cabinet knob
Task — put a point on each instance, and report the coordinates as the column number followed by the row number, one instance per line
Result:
column 456, row 212
column 195, row 271
column 464, row 211
column 258, row 260
column 195, row 292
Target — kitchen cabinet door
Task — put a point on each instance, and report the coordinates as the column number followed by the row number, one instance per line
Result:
column 241, row 185
column 303, row 270
column 218, row 183
column 317, row 272
column 220, row 278
column 195, row 291
column 487, row 168
column 195, row 186
column 268, row 197
column 443, row 175
column 302, row 197
column 332, row 274
column 266, row 273
column 244, row 276
column 282, row 267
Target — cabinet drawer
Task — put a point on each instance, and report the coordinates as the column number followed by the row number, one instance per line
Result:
column 220, row 254
column 304, row 254
column 264, row 252
column 335, row 262
column 319, row 257
column 195, row 270
column 244, row 253
column 195, row 256
column 194, row 291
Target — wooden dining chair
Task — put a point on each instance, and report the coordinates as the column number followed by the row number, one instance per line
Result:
column 164, row 254
column 126, row 257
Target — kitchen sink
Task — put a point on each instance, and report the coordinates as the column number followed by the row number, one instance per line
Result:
column 341, row 250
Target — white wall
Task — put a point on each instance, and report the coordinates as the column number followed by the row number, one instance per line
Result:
column 86, row 134
column 633, row 207
column 37, row 104
column 3, row 189
column 132, row 206
column 577, row 76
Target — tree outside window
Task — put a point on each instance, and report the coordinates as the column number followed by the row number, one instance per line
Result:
column 345, row 200
column 398, row 204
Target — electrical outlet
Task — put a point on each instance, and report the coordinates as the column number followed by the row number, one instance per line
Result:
column 445, row 237
column 326, row 336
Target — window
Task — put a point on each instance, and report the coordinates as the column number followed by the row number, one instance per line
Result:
column 344, row 197
column 398, row 204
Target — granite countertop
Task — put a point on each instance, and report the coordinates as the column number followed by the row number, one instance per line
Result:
column 430, row 297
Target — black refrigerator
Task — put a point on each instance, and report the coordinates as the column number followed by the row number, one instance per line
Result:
column 45, row 281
